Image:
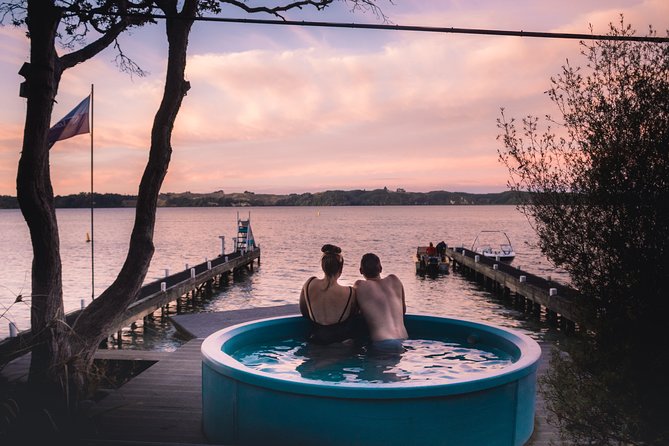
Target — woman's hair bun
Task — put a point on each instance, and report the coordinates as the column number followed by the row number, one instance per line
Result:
column 331, row 249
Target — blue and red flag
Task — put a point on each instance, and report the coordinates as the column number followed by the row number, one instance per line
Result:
column 74, row 123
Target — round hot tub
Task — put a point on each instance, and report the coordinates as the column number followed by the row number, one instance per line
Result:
column 248, row 406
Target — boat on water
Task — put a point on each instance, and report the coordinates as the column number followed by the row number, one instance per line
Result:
column 432, row 260
column 495, row 245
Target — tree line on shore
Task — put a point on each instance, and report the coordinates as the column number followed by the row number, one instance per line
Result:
column 376, row 197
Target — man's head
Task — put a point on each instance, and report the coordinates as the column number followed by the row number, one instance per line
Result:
column 370, row 266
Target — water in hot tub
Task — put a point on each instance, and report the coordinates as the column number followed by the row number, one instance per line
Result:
column 424, row 360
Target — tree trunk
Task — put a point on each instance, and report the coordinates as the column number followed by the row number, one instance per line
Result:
column 35, row 197
column 62, row 356
column 102, row 316
column 52, row 349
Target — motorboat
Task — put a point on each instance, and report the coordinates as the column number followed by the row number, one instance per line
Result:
column 495, row 245
column 432, row 260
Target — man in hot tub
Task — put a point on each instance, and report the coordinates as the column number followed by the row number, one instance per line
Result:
column 381, row 301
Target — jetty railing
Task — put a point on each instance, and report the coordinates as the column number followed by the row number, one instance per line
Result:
column 556, row 298
column 161, row 292
column 152, row 296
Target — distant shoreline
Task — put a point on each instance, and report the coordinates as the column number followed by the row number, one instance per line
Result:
column 357, row 197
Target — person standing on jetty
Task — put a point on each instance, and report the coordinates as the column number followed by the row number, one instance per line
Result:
column 381, row 301
column 330, row 307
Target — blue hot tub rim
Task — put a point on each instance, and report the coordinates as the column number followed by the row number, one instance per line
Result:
column 526, row 349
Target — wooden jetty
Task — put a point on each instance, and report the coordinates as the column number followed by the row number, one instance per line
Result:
column 156, row 295
column 527, row 290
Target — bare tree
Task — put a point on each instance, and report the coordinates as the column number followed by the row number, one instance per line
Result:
column 63, row 354
column 48, row 22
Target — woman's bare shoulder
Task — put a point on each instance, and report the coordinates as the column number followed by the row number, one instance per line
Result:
column 309, row 280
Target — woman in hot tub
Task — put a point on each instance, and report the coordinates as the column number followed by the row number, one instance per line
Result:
column 331, row 307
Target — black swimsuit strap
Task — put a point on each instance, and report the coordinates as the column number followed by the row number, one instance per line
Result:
column 350, row 293
column 306, row 294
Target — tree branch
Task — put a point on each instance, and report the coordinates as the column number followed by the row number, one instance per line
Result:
column 356, row 5
column 90, row 50
column 277, row 10
column 126, row 64
column 16, row 10
column 109, row 35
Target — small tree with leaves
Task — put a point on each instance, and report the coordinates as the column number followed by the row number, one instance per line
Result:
column 599, row 183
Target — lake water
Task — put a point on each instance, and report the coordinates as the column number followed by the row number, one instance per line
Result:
column 290, row 239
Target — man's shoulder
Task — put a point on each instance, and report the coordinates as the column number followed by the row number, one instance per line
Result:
column 393, row 281
column 367, row 285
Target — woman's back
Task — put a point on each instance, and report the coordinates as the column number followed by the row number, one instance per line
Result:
column 328, row 303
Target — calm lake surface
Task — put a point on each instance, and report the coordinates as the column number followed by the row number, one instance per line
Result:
column 290, row 239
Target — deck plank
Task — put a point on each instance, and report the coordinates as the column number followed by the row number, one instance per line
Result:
column 163, row 404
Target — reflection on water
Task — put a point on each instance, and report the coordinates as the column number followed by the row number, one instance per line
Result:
column 424, row 360
column 290, row 239
column 350, row 363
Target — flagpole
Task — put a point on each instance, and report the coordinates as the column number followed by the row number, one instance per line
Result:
column 92, row 205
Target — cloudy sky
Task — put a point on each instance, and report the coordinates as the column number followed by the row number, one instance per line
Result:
column 291, row 109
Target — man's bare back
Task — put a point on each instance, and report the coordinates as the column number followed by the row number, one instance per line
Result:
column 381, row 301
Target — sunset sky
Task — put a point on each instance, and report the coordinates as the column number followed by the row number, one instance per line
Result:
column 291, row 109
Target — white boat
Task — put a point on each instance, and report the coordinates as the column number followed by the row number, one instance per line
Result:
column 495, row 245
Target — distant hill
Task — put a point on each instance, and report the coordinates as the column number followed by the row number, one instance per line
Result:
column 376, row 197
column 7, row 202
column 385, row 197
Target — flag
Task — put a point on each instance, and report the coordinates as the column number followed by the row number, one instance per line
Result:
column 74, row 123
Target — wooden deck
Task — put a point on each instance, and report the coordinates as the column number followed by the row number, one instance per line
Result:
column 163, row 404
